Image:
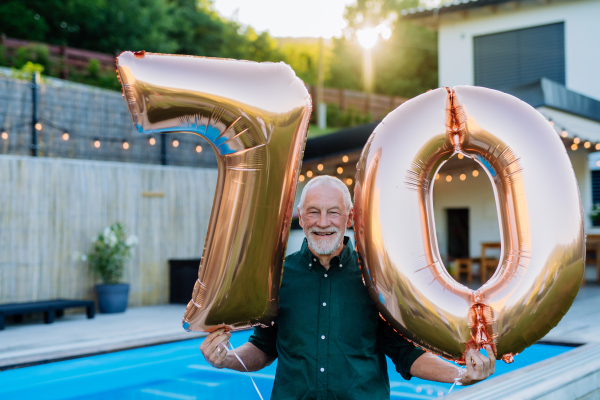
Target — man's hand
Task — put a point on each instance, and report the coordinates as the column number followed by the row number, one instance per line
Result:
column 214, row 348
column 478, row 366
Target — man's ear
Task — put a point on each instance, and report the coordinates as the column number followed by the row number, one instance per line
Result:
column 350, row 218
column 300, row 218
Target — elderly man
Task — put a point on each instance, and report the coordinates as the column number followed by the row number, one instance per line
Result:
column 328, row 336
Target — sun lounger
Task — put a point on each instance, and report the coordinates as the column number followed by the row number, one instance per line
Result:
column 50, row 308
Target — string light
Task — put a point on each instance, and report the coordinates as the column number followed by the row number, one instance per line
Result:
column 97, row 143
column 573, row 147
column 38, row 126
column 349, row 181
column 198, row 149
column 576, row 140
column 587, row 145
column 125, row 144
column 475, row 173
column 598, row 163
column 448, row 178
column 320, row 167
column 301, row 178
column 551, row 122
column 345, row 159
column 463, row 177
column 309, row 174
column 65, row 136
column 564, row 133
column 597, row 146
column 175, row 143
column 437, row 176
column 460, row 156
column 340, row 170
column 152, row 141
column 4, row 134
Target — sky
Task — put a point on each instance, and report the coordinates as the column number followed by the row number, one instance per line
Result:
column 283, row 18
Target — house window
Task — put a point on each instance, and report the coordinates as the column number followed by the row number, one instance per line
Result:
column 521, row 56
column 595, row 191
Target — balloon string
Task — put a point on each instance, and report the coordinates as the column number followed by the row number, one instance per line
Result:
column 456, row 381
column 244, row 365
column 451, row 387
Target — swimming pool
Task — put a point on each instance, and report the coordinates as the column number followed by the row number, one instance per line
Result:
column 178, row 371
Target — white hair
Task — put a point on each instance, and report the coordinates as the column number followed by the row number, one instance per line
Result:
column 330, row 181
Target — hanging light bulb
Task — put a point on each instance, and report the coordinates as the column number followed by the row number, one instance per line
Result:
column 198, row 149
column 320, row 167
column 463, row 177
column 175, row 143
column 564, row 133
column 340, row 170
column 460, row 156
column 349, row 181
column 152, row 141
column 4, row 134
column 38, row 126
column 97, row 143
column 437, row 176
column 597, row 147
column 345, row 159
column 576, row 140
column 573, row 147
column 125, row 144
column 65, row 136
column 448, row 178
column 475, row 173
column 309, row 174
column 587, row 145
column 301, row 178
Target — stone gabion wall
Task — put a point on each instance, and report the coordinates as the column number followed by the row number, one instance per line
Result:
column 88, row 114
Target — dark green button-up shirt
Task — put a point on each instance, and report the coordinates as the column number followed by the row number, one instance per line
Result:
column 328, row 336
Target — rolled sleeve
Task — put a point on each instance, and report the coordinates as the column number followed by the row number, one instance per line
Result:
column 402, row 352
column 265, row 339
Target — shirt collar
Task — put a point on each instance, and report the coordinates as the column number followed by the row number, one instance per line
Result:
column 344, row 257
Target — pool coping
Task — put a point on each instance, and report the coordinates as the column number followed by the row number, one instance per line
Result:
column 90, row 348
column 571, row 375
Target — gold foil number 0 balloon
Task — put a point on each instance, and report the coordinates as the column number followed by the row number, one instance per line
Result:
column 255, row 116
column 540, row 214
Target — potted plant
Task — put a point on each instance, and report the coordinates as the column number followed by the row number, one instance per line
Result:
column 110, row 250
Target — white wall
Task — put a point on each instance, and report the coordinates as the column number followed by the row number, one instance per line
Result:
column 582, row 40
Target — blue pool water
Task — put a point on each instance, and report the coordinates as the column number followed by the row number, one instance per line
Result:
column 178, row 371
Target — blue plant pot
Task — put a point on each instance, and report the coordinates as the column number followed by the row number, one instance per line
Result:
column 112, row 298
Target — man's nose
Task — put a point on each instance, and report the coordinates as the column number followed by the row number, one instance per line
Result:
column 323, row 220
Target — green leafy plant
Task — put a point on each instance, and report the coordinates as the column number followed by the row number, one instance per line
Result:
column 27, row 70
column 110, row 250
column 595, row 214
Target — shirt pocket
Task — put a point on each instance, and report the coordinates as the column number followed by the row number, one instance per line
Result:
column 358, row 325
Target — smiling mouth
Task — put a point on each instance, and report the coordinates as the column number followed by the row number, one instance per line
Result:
column 323, row 233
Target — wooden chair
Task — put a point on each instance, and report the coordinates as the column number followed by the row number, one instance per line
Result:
column 488, row 263
column 593, row 245
column 463, row 265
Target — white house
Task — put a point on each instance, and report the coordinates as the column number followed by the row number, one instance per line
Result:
column 545, row 52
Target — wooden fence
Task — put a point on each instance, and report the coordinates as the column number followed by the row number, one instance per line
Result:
column 376, row 104
column 51, row 208
column 65, row 56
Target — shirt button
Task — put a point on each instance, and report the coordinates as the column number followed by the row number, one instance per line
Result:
column 324, row 304
column 310, row 264
column 341, row 265
column 314, row 259
column 325, row 275
column 322, row 369
column 322, row 336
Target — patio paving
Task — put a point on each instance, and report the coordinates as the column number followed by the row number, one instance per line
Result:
column 74, row 335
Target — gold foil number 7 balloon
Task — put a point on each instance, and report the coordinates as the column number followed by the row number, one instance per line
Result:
column 255, row 116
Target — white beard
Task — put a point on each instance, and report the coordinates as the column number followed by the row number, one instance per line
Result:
column 325, row 247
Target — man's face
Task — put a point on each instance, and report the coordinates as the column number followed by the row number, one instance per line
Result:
column 324, row 218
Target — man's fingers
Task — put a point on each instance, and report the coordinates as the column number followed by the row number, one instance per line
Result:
column 211, row 337
column 211, row 346
column 222, row 356
column 479, row 364
column 492, row 358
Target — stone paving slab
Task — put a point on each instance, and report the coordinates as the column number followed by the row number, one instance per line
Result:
column 74, row 335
